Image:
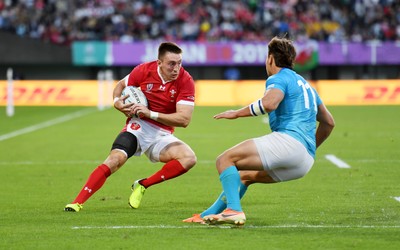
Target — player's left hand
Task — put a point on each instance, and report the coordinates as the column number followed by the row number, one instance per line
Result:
column 229, row 114
column 140, row 111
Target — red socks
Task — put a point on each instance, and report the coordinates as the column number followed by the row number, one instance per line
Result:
column 99, row 176
column 94, row 183
column 170, row 170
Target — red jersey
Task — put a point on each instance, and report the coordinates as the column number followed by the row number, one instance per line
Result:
column 162, row 97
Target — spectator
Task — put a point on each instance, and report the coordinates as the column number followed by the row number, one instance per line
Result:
column 61, row 22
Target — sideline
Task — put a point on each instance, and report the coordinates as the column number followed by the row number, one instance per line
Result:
column 47, row 123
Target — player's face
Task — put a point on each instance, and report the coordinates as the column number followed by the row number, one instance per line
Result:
column 170, row 65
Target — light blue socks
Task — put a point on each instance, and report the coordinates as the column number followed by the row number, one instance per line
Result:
column 220, row 204
column 231, row 179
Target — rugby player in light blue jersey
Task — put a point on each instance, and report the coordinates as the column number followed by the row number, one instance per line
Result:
column 299, row 121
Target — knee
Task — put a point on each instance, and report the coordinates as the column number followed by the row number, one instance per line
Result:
column 190, row 161
column 221, row 158
column 219, row 162
column 187, row 159
column 115, row 161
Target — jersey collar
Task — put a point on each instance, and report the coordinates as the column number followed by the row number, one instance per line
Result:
column 162, row 79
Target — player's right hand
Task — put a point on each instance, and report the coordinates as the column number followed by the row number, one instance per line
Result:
column 122, row 107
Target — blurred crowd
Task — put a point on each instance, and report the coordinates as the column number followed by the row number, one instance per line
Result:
column 61, row 22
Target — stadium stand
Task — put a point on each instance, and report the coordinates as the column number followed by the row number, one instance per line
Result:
column 61, row 22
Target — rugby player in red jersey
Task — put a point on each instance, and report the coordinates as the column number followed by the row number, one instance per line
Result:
column 169, row 90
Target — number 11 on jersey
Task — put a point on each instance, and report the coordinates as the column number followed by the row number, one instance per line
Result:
column 305, row 86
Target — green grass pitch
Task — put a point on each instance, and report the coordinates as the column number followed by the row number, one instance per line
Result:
column 47, row 153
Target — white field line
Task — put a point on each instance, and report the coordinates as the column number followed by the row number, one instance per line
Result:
column 72, row 162
column 94, row 161
column 228, row 227
column 397, row 198
column 46, row 124
column 338, row 162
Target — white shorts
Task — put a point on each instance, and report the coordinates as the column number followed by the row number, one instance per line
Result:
column 283, row 157
column 151, row 139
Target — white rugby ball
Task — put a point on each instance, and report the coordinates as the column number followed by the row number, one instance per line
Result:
column 136, row 95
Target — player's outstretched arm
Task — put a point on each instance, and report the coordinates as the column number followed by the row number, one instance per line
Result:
column 325, row 126
column 262, row 106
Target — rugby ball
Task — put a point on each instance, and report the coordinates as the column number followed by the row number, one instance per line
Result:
column 136, row 95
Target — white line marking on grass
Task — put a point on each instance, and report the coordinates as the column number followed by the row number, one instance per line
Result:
column 397, row 198
column 228, row 227
column 74, row 162
column 338, row 162
column 70, row 162
column 46, row 124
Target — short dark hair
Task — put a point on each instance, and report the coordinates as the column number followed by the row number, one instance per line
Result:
column 283, row 51
column 168, row 47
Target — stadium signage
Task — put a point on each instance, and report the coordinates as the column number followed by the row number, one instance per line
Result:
column 208, row 92
column 310, row 53
column 362, row 92
column 52, row 93
column 379, row 93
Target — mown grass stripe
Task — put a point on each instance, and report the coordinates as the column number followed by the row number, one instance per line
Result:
column 228, row 226
column 46, row 124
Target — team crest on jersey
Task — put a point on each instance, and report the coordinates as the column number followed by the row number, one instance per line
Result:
column 172, row 92
column 149, row 87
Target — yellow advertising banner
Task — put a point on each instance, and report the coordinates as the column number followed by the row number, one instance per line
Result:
column 360, row 92
column 229, row 93
column 208, row 92
column 57, row 93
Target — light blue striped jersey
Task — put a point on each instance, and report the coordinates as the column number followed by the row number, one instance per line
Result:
column 296, row 115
